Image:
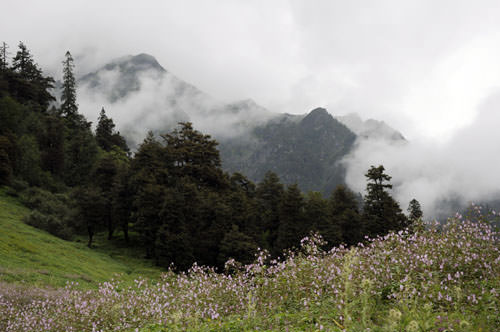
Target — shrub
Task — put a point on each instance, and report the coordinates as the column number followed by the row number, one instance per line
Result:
column 51, row 212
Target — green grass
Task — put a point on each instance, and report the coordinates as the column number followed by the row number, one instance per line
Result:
column 33, row 257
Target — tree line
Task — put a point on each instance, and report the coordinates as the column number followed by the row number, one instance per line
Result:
column 171, row 196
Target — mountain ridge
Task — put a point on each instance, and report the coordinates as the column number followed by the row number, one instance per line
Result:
column 306, row 149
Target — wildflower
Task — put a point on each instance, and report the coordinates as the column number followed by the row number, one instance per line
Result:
column 394, row 315
column 413, row 327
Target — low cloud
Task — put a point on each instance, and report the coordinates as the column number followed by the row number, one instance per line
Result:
column 464, row 169
column 158, row 101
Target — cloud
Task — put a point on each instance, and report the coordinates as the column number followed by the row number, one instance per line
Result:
column 464, row 169
column 407, row 63
column 140, row 100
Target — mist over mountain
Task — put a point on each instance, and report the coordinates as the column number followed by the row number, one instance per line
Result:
column 305, row 149
column 141, row 95
column 316, row 150
column 370, row 129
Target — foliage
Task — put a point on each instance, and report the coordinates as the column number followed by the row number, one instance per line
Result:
column 414, row 210
column 381, row 213
column 106, row 136
column 69, row 108
column 345, row 213
column 443, row 278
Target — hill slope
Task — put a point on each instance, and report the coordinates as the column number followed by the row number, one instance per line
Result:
column 31, row 256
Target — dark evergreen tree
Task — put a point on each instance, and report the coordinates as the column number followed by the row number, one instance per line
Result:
column 236, row 245
column 148, row 172
column 80, row 156
column 5, row 162
column 381, row 212
column 52, row 145
column 26, row 83
column 414, row 211
column 4, row 63
column 24, row 65
column 318, row 218
column 69, row 108
column 29, row 164
column 195, row 155
column 345, row 213
column 176, row 223
column 291, row 219
column 215, row 217
column 91, row 207
column 269, row 194
column 104, row 178
column 104, row 131
column 122, row 200
column 240, row 182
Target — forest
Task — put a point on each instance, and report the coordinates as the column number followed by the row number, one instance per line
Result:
column 170, row 199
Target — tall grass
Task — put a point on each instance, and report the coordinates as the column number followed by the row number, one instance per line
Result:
column 443, row 278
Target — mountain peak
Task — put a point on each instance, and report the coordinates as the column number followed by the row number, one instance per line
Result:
column 317, row 116
column 144, row 59
column 319, row 111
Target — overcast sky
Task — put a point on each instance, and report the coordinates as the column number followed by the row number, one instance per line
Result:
column 429, row 68
column 422, row 66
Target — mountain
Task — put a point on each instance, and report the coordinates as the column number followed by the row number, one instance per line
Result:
column 370, row 129
column 301, row 149
column 306, row 149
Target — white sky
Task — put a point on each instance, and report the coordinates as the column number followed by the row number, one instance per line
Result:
column 429, row 68
column 422, row 66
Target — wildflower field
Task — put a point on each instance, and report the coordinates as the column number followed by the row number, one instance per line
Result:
column 441, row 278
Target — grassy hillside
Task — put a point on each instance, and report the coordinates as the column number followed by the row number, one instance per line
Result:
column 33, row 257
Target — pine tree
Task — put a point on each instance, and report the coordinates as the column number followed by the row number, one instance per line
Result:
column 291, row 213
column 236, row 245
column 269, row 193
column 318, row 218
column 104, row 178
column 195, row 155
column 24, row 64
column 104, row 131
column 381, row 212
column 5, row 162
column 414, row 211
column 3, row 57
column 91, row 206
column 345, row 213
column 69, row 108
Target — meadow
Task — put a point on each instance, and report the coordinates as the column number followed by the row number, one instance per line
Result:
column 34, row 258
column 434, row 278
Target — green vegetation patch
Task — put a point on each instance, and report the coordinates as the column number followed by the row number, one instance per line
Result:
column 34, row 257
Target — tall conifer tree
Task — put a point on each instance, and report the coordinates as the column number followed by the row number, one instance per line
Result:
column 345, row 213
column 3, row 57
column 291, row 223
column 69, row 108
column 381, row 212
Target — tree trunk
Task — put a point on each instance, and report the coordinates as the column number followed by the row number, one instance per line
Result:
column 91, row 235
column 125, row 231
